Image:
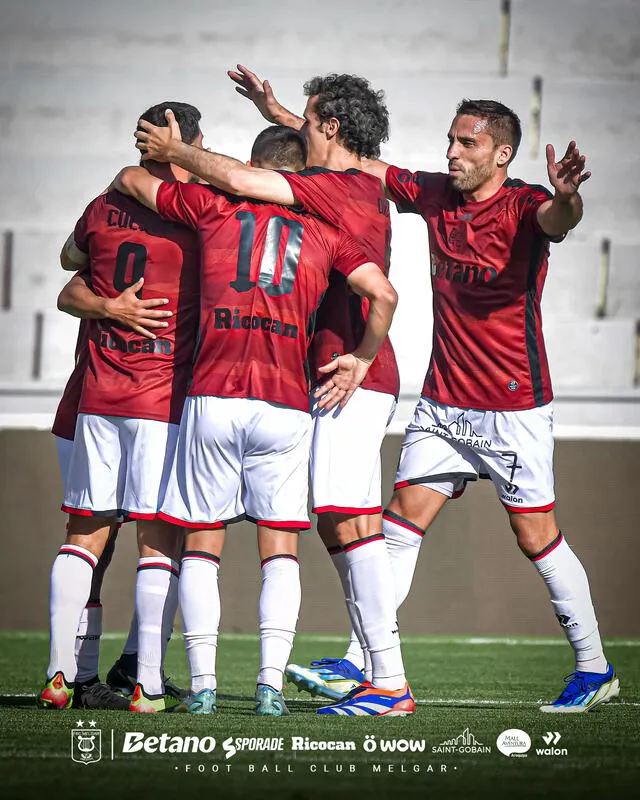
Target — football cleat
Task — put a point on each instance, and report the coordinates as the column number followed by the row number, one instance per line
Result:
column 584, row 692
column 121, row 677
column 368, row 700
column 57, row 693
column 93, row 694
column 329, row 677
column 202, row 702
column 150, row 703
column 269, row 702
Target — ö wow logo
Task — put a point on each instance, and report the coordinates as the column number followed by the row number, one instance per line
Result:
column 86, row 743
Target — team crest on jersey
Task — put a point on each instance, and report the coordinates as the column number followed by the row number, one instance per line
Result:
column 86, row 745
column 458, row 237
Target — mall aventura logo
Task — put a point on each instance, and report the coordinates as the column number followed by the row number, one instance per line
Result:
column 86, row 743
column 465, row 743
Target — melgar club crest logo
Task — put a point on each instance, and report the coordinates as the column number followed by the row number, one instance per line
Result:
column 86, row 744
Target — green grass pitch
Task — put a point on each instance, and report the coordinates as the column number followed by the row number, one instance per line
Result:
column 484, row 685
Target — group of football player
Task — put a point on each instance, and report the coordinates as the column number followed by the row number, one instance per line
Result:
column 234, row 339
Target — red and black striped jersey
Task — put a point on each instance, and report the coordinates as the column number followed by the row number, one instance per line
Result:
column 488, row 266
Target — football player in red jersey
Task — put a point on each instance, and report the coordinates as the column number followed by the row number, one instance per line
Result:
column 245, row 433
column 132, row 397
column 345, row 120
column 485, row 409
column 143, row 316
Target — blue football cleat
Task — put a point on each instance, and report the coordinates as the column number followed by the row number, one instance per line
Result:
column 269, row 702
column 368, row 700
column 202, row 702
column 584, row 691
column 329, row 677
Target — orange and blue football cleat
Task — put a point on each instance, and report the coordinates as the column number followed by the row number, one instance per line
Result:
column 57, row 693
column 368, row 700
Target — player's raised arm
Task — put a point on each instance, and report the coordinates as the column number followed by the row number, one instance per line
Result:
column 78, row 300
column 558, row 216
column 350, row 370
column 261, row 95
column 139, row 184
column 72, row 258
column 165, row 145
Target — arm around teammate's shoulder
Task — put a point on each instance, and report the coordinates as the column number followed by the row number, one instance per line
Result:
column 139, row 183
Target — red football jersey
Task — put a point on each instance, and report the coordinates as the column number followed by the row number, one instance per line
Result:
column 129, row 375
column 488, row 267
column 264, row 269
column 355, row 202
column 64, row 424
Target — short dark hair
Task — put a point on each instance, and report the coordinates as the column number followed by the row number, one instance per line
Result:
column 503, row 124
column 187, row 117
column 279, row 147
column 360, row 110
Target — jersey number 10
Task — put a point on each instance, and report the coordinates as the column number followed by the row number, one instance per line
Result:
column 243, row 282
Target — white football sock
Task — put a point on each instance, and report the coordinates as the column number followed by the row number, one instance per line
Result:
column 87, row 647
column 568, row 587
column 278, row 614
column 71, row 576
column 356, row 652
column 200, row 609
column 403, row 539
column 374, row 597
column 153, row 587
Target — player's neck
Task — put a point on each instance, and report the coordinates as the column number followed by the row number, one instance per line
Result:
column 339, row 159
column 487, row 189
column 167, row 172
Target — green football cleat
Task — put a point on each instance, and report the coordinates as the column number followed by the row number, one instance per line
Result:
column 150, row 703
column 269, row 702
column 56, row 694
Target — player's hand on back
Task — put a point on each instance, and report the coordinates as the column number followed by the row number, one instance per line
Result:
column 155, row 142
column 348, row 373
column 139, row 315
column 259, row 92
column 568, row 174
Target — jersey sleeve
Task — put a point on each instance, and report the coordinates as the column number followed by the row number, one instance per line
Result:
column 81, row 231
column 348, row 256
column 320, row 191
column 403, row 188
column 528, row 204
column 184, row 202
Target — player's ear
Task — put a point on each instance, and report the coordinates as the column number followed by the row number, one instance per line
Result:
column 504, row 154
column 332, row 126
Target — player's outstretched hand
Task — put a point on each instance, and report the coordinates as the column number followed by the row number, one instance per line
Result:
column 154, row 142
column 259, row 92
column 568, row 174
column 348, row 373
column 137, row 314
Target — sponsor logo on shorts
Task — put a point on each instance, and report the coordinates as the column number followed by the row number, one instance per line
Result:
column 461, row 430
column 227, row 319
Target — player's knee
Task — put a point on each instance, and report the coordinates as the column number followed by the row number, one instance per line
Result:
column 349, row 528
column 533, row 534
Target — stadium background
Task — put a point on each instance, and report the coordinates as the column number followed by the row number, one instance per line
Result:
column 74, row 77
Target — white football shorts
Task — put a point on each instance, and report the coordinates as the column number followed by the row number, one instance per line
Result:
column 119, row 466
column 345, row 453
column 447, row 447
column 65, row 449
column 240, row 457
